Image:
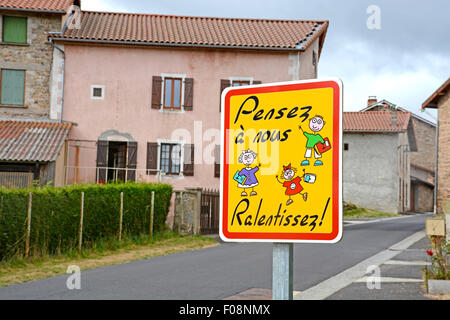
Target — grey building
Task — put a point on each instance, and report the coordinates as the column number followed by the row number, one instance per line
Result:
column 423, row 160
column 376, row 159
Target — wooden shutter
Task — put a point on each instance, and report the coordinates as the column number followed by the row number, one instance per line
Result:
column 156, row 92
column 102, row 160
column 217, row 161
column 15, row 29
column 224, row 83
column 132, row 161
column 13, row 87
column 152, row 158
column 257, row 82
column 188, row 165
column 188, row 94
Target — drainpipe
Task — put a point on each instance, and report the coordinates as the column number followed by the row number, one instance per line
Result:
column 436, row 167
column 63, row 61
column 62, row 81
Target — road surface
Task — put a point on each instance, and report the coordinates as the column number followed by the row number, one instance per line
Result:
column 222, row 271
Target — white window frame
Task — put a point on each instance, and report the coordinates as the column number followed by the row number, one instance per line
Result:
column 166, row 141
column 250, row 79
column 163, row 88
column 97, row 86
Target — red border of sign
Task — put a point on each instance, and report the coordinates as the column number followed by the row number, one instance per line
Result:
column 336, row 233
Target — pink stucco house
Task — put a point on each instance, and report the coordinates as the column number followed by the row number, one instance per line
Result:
column 143, row 90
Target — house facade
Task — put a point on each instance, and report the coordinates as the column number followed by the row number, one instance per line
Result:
column 144, row 90
column 25, row 92
column 423, row 160
column 376, row 160
column 440, row 100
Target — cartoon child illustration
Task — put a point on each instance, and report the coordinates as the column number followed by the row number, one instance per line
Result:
column 292, row 184
column 246, row 177
column 315, row 124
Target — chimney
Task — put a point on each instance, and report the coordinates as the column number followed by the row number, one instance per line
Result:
column 371, row 100
column 394, row 117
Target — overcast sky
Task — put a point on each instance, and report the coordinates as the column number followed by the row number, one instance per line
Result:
column 404, row 61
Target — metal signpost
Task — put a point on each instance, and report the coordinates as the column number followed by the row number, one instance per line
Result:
column 281, row 171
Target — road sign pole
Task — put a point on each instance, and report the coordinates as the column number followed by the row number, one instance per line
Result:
column 282, row 271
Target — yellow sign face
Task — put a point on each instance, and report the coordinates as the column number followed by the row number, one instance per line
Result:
column 281, row 162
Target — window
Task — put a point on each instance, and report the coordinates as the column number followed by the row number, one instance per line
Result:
column 170, row 160
column 12, row 87
column 97, row 92
column 239, row 83
column 172, row 93
column 14, row 29
column 345, row 146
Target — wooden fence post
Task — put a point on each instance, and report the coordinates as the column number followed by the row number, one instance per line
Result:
column 27, row 239
column 121, row 216
column 80, row 231
column 152, row 208
column 182, row 212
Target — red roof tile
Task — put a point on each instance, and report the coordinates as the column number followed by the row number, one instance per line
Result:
column 196, row 31
column 375, row 121
column 31, row 140
column 38, row 5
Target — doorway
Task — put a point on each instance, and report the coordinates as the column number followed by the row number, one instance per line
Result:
column 117, row 160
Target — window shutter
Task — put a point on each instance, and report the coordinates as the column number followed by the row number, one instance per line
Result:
column 188, row 165
column 13, row 86
column 15, row 29
column 217, row 161
column 102, row 160
column 188, row 94
column 132, row 161
column 156, row 92
column 257, row 82
column 224, row 83
column 152, row 158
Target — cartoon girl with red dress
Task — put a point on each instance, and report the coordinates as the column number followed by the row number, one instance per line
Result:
column 292, row 184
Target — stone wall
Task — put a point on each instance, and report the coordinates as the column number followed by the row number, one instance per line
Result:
column 443, row 184
column 425, row 133
column 186, row 218
column 35, row 58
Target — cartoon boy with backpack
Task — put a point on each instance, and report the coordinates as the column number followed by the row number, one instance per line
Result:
column 315, row 141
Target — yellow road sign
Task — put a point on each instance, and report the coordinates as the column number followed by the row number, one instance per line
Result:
column 281, row 177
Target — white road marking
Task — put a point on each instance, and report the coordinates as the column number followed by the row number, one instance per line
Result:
column 387, row 279
column 408, row 263
column 330, row 286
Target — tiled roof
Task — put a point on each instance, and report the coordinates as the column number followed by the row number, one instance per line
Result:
column 196, row 31
column 375, row 121
column 31, row 140
column 37, row 5
column 432, row 101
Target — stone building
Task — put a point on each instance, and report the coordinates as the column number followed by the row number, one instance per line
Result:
column 25, row 92
column 440, row 100
column 423, row 160
column 376, row 159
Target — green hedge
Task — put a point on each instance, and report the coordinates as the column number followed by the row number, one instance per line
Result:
column 56, row 215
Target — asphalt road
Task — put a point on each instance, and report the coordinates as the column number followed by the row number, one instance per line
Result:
column 222, row 271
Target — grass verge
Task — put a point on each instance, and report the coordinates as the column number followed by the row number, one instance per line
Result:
column 18, row 270
column 353, row 211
